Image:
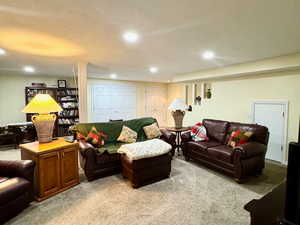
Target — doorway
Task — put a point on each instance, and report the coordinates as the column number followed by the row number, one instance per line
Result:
column 156, row 104
column 273, row 115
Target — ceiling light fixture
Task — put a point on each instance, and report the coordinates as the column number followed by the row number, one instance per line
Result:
column 131, row 36
column 208, row 55
column 29, row 69
column 2, row 51
column 113, row 76
column 153, row 69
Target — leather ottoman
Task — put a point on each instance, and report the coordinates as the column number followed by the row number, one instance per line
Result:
column 147, row 170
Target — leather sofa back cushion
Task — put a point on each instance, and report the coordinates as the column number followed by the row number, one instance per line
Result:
column 216, row 129
column 260, row 133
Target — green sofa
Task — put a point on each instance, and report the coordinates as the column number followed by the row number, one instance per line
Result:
column 104, row 161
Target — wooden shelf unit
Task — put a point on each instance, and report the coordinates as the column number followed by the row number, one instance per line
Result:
column 68, row 100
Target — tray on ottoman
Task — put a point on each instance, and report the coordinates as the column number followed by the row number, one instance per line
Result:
column 153, row 166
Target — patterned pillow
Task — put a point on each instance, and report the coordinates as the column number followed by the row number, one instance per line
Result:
column 95, row 138
column 239, row 137
column 198, row 132
column 152, row 131
column 80, row 136
column 127, row 135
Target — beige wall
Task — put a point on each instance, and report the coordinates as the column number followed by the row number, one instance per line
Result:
column 12, row 94
column 141, row 87
column 231, row 99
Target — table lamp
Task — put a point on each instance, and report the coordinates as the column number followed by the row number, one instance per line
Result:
column 43, row 105
column 178, row 108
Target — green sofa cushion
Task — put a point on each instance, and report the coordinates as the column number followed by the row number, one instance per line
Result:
column 110, row 148
column 113, row 129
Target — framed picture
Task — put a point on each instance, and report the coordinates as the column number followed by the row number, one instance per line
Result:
column 61, row 83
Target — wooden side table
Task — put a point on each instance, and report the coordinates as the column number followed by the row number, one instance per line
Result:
column 56, row 166
column 178, row 132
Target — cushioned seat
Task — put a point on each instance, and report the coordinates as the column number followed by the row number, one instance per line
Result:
column 222, row 152
column 12, row 188
column 208, row 144
column 201, row 147
column 110, row 148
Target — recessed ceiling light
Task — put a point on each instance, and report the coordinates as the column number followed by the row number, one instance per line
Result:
column 153, row 69
column 131, row 36
column 208, row 55
column 2, row 51
column 113, row 76
column 28, row 69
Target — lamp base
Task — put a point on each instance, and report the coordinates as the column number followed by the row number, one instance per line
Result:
column 178, row 118
column 44, row 125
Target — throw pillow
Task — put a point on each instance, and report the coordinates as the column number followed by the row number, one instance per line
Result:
column 152, row 131
column 95, row 138
column 127, row 135
column 80, row 136
column 239, row 137
column 198, row 132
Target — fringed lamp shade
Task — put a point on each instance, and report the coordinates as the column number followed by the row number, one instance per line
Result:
column 178, row 108
column 43, row 104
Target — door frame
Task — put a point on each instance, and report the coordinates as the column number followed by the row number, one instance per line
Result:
column 285, row 104
column 145, row 105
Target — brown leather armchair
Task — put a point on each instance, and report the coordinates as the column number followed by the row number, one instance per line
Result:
column 239, row 162
column 16, row 187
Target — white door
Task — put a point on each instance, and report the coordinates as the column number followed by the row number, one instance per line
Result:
column 113, row 101
column 156, row 104
column 272, row 115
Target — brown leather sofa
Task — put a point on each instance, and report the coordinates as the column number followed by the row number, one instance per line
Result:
column 239, row 162
column 16, row 187
column 98, row 164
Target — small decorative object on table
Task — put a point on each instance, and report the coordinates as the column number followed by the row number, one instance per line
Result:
column 198, row 100
column 208, row 93
column 61, row 83
column 178, row 108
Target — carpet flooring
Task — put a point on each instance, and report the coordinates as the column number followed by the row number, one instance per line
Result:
column 193, row 195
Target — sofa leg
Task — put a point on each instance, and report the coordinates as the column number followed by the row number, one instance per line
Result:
column 187, row 158
column 239, row 180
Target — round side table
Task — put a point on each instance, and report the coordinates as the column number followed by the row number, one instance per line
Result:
column 178, row 132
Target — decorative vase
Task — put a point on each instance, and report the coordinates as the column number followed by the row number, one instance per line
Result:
column 208, row 93
column 178, row 118
column 44, row 125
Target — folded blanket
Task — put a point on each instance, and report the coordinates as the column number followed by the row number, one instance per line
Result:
column 145, row 149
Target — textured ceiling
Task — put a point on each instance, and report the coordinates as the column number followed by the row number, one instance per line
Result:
column 53, row 35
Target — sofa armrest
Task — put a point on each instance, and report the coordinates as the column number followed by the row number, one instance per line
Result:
column 85, row 147
column 17, row 168
column 168, row 136
column 251, row 149
column 186, row 136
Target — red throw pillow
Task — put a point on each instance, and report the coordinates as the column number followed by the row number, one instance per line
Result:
column 198, row 132
column 80, row 136
column 239, row 137
column 96, row 138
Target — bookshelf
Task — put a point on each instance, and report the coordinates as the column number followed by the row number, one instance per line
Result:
column 68, row 100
